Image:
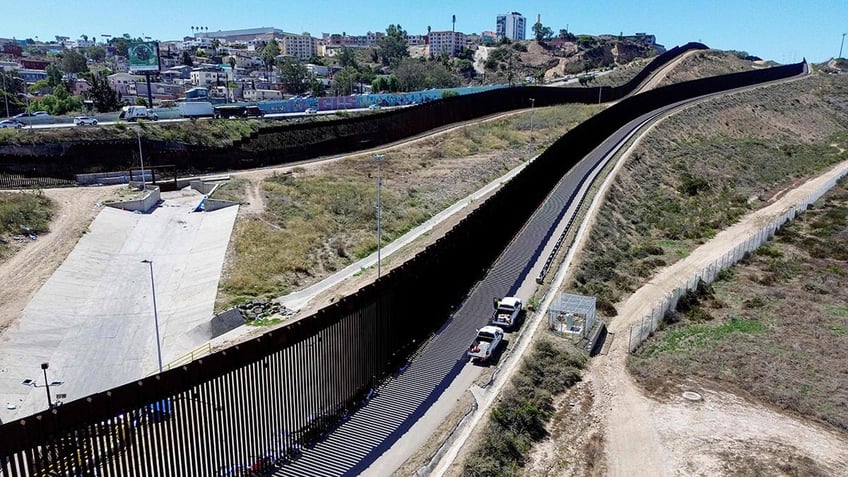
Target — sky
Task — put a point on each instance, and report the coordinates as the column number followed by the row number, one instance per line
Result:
column 784, row 31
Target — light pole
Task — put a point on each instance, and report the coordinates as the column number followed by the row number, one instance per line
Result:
column 141, row 156
column 26, row 98
column 532, row 112
column 840, row 50
column 379, row 159
column 155, row 313
column 31, row 382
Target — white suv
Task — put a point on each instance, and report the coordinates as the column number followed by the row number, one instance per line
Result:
column 85, row 121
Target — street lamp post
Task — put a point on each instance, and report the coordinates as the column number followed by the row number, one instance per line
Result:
column 26, row 98
column 532, row 112
column 841, row 45
column 379, row 159
column 46, row 385
column 44, row 367
column 155, row 313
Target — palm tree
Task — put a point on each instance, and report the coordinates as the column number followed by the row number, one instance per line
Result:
column 192, row 31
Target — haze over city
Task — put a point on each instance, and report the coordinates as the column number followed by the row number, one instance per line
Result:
column 784, row 32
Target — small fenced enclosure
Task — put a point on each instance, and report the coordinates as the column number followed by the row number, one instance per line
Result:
column 572, row 315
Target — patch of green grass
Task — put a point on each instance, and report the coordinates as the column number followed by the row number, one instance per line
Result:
column 688, row 338
column 22, row 213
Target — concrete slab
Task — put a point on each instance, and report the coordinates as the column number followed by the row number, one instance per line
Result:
column 93, row 319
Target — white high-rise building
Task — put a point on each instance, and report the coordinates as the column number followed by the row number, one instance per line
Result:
column 511, row 25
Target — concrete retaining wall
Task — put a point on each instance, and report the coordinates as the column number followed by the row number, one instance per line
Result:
column 215, row 204
column 142, row 205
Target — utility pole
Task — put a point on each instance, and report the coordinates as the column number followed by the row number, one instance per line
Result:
column 379, row 159
column 841, row 45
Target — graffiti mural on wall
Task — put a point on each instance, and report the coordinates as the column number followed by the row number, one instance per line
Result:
column 332, row 103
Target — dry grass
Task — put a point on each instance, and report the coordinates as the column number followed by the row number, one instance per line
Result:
column 320, row 219
column 702, row 169
column 775, row 326
column 706, row 63
column 22, row 213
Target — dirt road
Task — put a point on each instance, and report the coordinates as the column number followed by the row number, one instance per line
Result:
column 702, row 437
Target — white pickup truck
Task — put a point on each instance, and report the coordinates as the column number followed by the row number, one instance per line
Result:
column 506, row 312
column 487, row 341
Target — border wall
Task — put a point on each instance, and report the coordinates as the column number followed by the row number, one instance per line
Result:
column 58, row 164
column 289, row 387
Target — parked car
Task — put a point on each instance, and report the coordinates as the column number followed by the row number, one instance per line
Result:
column 11, row 123
column 311, row 111
column 374, row 107
column 85, row 121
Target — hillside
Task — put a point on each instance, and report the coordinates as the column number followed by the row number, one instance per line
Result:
column 692, row 175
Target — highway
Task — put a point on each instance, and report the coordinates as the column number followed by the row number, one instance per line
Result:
column 67, row 122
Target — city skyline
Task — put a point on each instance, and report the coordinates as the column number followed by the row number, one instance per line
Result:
column 786, row 34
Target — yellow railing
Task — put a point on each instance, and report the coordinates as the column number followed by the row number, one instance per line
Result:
column 200, row 351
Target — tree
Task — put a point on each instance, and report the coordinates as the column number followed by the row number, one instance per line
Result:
column 440, row 76
column 60, row 102
column 232, row 62
column 54, row 75
column 270, row 53
column 344, row 81
column 542, row 33
column 566, row 36
column 96, row 53
column 186, row 59
column 347, row 58
column 73, row 62
column 294, row 76
column 13, row 92
column 465, row 68
column 385, row 83
column 392, row 47
column 411, row 75
column 105, row 98
column 121, row 43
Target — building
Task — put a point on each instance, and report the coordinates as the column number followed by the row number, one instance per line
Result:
column 261, row 94
column 121, row 82
column 512, row 26
column 208, row 76
column 416, row 40
column 298, row 46
column 248, row 34
column 446, row 43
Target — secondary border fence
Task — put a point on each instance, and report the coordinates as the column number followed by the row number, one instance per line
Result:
column 648, row 324
column 254, row 406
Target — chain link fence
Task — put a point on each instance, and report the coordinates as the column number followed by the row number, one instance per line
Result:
column 646, row 326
